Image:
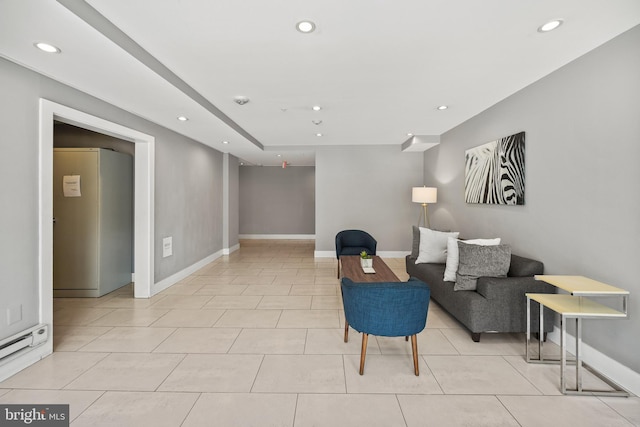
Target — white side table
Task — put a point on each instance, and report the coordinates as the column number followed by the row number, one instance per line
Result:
column 578, row 308
column 581, row 286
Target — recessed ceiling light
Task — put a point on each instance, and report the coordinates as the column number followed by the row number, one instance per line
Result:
column 550, row 26
column 442, row 107
column 46, row 47
column 318, row 134
column 305, row 27
column 409, row 134
column 225, row 142
column 279, row 155
column 317, row 108
column 183, row 118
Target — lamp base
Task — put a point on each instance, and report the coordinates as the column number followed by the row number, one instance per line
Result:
column 424, row 215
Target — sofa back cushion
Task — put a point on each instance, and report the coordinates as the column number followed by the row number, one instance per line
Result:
column 453, row 256
column 521, row 267
column 433, row 245
column 415, row 244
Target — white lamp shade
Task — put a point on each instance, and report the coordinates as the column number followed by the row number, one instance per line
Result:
column 424, row 195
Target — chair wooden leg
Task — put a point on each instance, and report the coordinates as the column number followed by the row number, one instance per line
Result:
column 406, row 338
column 338, row 269
column 363, row 352
column 414, row 347
column 346, row 331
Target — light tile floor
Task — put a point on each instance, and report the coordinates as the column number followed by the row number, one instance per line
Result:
column 255, row 339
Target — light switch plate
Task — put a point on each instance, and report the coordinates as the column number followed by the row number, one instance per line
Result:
column 167, row 247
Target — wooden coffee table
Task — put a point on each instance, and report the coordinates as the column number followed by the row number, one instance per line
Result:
column 351, row 269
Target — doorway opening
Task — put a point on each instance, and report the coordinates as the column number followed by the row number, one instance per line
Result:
column 93, row 213
column 144, row 163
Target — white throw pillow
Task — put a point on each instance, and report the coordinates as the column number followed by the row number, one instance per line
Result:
column 433, row 245
column 453, row 256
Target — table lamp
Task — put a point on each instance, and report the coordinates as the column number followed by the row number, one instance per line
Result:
column 424, row 195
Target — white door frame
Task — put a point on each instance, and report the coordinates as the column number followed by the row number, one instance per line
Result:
column 143, row 216
column 143, row 204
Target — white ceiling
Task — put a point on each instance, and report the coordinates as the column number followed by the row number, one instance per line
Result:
column 379, row 68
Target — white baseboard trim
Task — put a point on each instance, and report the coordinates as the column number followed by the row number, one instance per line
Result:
column 610, row 368
column 174, row 278
column 277, row 236
column 232, row 249
column 324, row 254
column 383, row 254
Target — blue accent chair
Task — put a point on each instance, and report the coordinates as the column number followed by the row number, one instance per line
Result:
column 389, row 309
column 352, row 242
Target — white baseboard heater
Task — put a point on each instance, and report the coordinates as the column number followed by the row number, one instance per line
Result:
column 31, row 337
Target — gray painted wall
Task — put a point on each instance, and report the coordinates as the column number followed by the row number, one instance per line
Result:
column 234, row 201
column 367, row 188
column 19, row 214
column 231, row 207
column 187, row 188
column 582, row 211
column 277, row 201
column 188, row 204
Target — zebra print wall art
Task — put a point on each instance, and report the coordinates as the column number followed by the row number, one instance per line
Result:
column 494, row 172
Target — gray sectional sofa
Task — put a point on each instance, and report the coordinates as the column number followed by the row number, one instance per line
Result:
column 497, row 305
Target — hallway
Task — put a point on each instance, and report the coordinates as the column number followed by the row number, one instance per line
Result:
column 255, row 339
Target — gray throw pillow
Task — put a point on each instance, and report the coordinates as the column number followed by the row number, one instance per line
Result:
column 481, row 261
column 415, row 246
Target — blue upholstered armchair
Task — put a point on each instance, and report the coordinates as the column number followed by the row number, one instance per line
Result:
column 352, row 242
column 389, row 309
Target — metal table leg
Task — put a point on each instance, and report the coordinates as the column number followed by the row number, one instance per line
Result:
column 579, row 354
column 540, row 332
column 540, row 358
column 528, row 341
column 563, row 354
